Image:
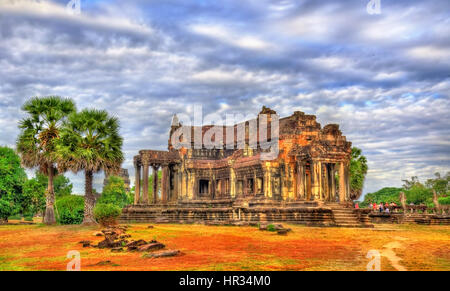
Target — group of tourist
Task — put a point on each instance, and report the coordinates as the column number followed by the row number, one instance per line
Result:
column 383, row 207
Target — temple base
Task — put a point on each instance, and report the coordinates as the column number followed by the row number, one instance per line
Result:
column 246, row 211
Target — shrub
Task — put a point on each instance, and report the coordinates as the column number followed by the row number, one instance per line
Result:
column 15, row 217
column 114, row 192
column 70, row 209
column 28, row 218
column 444, row 200
column 6, row 210
column 107, row 214
column 271, row 227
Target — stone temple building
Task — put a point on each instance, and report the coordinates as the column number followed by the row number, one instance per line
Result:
column 306, row 181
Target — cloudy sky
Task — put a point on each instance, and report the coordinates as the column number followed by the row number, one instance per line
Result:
column 385, row 78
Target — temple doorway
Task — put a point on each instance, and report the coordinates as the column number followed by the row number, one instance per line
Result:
column 204, row 187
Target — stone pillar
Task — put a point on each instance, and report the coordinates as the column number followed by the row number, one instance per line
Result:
column 332, row 182
column 268, row 183
column 195, row 186
column 284, row 176
column 145, row 183
column 179, row 184
column 309, row 183
column 326, row 182
column 155, row 184
column 165, row 183
column 137, row 183
column 342, row 183
column 316, row 180
column 232, row 183
column 244, row 187
column 183, row 184
column 212, row 188
column 320, row 173
column 192, row 185
column 174, row 177
column 347, row 181
column 255, row 184
column 291, row 188
column 300, row 181
column 223, row 187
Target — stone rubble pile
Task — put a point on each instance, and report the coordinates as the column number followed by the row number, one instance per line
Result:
column 116, row 239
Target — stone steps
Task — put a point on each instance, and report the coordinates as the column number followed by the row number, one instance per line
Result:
column 345, row 217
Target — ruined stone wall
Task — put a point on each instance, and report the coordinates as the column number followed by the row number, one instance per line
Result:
column 306, row 216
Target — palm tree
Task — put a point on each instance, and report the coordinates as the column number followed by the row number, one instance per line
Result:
column 358, row 172
column 36, row 143
column 90, row 141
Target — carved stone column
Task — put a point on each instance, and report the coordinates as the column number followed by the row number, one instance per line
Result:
column 255, row 184
column 137, row 183
column 316, row 180
column 326, row 182
column 342, row 183
column 300, row 181
column 347, row 180
column 332, row 178
column 267, row 182
column 145, row 183
column 244, row 187
column 212, row 188
column 232, row 183
column 309, row 183
column 165, row 183
column 155, row 184
column 177, row 183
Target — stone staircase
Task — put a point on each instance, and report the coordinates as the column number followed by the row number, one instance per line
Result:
column 346, row 217
column 427, row 219
column 412, row 218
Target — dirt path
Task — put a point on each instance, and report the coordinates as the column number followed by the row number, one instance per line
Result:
column 390, row 254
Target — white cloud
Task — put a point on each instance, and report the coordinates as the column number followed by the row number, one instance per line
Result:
column 235, row 38
column 384, row 79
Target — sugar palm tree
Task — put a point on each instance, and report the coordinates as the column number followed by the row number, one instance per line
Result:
column 36, row 143
column 358, row 172
column 90, row 141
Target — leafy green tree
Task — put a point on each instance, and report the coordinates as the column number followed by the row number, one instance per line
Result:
column 358, row 171
column 90, row 141
column 444, row 200
column 6, row 209
column 36, row 143
column 114, row 192
column 33, row 201
column 408, row 184
column 12, row 179
column 439, row 184
column 387, row 194
column 415, row 191
column 419, row 194
column 61, row 184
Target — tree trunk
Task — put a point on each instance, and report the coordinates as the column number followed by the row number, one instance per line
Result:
column 89, row 200
column 49, row 216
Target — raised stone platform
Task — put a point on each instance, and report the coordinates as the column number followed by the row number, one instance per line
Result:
column 412, row 218
column 247, row 212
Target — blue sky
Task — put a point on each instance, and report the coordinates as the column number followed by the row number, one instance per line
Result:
column 384, row 78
